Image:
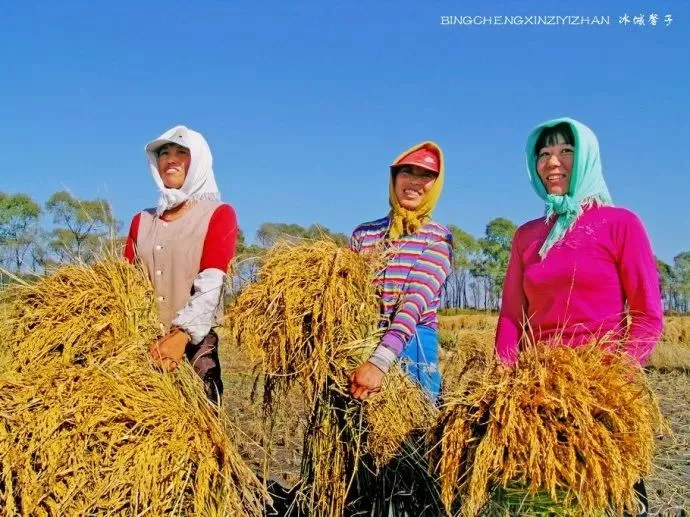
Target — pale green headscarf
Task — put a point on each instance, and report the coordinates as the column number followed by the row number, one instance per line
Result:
column 587, row 183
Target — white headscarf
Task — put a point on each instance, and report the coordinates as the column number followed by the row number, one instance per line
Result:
column 199, row 183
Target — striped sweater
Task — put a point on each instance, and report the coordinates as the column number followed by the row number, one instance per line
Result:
column 410, row 285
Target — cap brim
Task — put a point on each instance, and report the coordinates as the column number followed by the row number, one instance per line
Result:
column 154, row 146
column 422, row 165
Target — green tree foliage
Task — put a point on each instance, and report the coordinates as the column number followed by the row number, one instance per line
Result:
column 490, row 267
column 270, row 233
column 84, row 226
column 19, row 225
column 41, row 256
column 465, row 251
column 681, row 282
column 665, row 282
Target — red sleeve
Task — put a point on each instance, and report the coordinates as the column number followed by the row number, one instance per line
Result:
column 131, row 244
column 219, row 245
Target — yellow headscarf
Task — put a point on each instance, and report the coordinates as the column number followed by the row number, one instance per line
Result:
column 406, row 222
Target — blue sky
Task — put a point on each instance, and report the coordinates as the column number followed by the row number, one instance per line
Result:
column 305, row 104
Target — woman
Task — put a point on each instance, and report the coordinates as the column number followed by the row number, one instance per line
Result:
column 186, row 244
column 411, row 283
column 571, row 276
column 419, row 260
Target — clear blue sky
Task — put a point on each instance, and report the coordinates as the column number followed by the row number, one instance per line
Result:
column 305, row 104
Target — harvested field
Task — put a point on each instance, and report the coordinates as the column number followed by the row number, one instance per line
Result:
column 668, row 487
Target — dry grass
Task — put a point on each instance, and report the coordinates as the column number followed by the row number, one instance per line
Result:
column 677, row 330
column 273, row 447
column 474, row 322
column 669, row 485
column 673, row 351
column 88, row 426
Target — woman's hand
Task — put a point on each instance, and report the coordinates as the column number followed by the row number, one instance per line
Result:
column 167, row 352
column 504, row 369
column 365, row 381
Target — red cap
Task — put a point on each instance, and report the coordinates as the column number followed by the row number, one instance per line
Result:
column 426, row 157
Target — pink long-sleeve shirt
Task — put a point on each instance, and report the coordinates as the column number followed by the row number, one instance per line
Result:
column 578, row 292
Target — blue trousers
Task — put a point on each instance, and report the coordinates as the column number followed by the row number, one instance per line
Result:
column 419, row 359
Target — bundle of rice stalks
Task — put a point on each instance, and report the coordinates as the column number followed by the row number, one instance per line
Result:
column 88, row 426
column 571, row 427
column 330, row 456
column 313, row 311
column 78, row 314
column 346, row 442
column 392, row 416
column 310, row 319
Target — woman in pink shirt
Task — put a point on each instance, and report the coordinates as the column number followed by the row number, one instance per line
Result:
column 572, row 274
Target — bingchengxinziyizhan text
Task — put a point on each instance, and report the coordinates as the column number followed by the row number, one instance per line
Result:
column 639, row 20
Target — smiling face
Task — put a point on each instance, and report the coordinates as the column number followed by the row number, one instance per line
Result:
column 555, row 153
column 173, row 164
column 412, row 183
column 554, row 166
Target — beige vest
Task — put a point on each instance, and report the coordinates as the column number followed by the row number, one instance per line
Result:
column 171, row 252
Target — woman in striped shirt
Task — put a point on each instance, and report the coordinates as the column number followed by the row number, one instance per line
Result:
column 418, row 265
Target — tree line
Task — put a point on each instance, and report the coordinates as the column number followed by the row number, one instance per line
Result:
column 82, row 228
